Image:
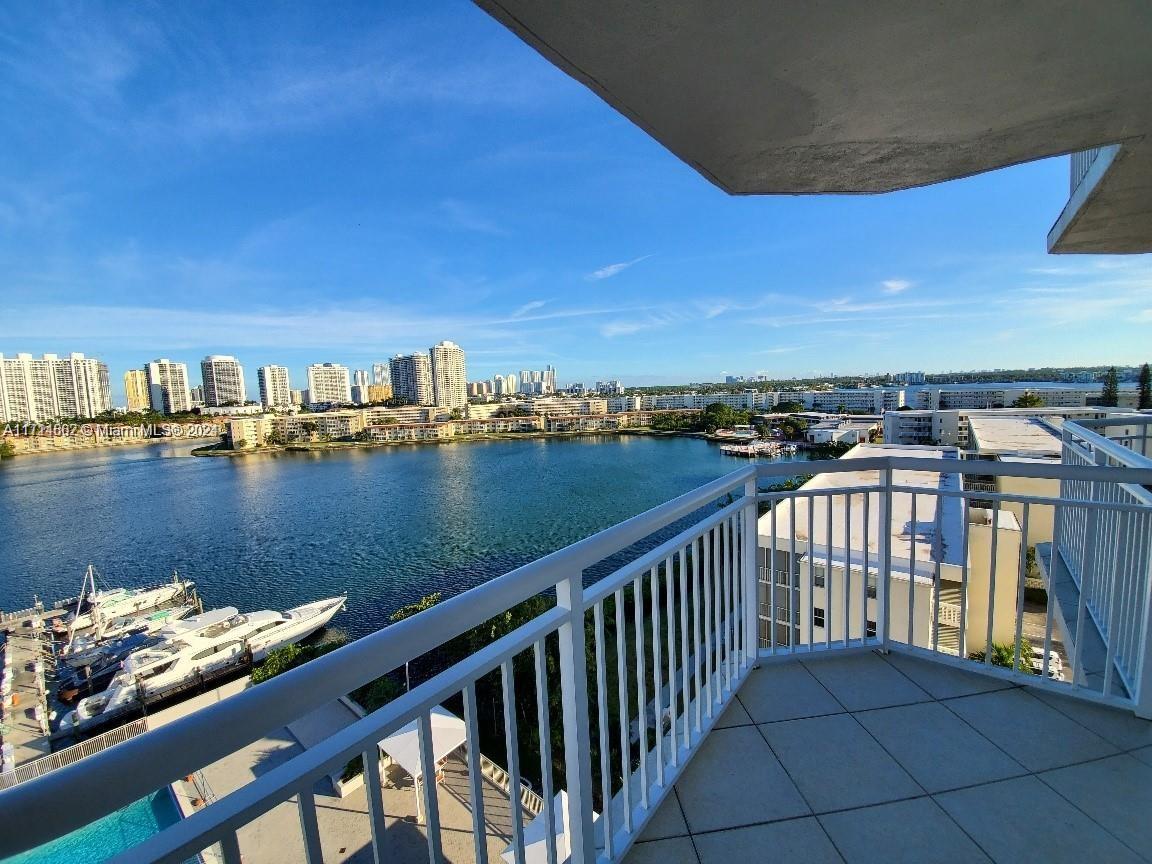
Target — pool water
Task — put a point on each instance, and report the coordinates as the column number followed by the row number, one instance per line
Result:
column 108, row 836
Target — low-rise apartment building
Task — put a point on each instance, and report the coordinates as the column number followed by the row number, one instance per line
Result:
column 948, row 427
column 820, row 553
column 935, row 398
column 871, row 400
column 842, row 431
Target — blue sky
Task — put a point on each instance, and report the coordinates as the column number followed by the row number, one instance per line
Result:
column 296, row 183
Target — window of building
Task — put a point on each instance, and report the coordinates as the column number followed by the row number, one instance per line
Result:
column 818, row 579
column 871, row 588
column 817, row 616
column 870, row 629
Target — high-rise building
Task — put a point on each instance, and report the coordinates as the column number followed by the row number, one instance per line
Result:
column 329, row 383
column 379, row 392
column 360, row 381
column 538, row 382
column 33, row 390
column 223, row 380
column 299, row 397
column 275, row 389
column 412, row 378
column 449, row 376
column 82, row 387
column 609, row 388
column 168, row 391
column 380, row 374
column 136, row 390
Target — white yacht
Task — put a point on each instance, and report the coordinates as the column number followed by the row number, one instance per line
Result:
column 202, row 645
column 83, row 650
column 106, row 604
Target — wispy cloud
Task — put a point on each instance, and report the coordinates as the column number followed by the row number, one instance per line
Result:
column 610, row 270
column 468, row 218
column 895, row 286
column 628, row 326
column 783, row 349
column 528, row 307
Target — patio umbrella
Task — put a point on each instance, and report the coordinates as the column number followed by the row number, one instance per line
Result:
column 403, row 745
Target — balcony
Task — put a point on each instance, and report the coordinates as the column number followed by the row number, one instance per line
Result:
column 849, row 670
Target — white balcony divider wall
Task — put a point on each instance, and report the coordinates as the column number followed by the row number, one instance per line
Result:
column 674, row 634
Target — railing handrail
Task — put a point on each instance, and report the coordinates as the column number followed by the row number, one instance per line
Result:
column 180, row 747
column 1031, row 470
column 54, row 761
column 1085, row 431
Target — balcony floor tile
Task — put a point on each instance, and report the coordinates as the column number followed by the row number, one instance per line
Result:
column 863, row 681
column 903, row 832
column 668, row 821
column 1095, row 787
column 1034, row 734
column 964, row 768
column 937, row 748
column 1121, row 728
column 676, row 850
column 786, row 691
column 836, row 764
column 942, row 681
column 1024, row 820
column 794, row 840
column 735, row 780
column 734, row 715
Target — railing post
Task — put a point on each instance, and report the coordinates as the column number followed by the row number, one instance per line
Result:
column 884, row 577
column 577, row 740
column 750, row 568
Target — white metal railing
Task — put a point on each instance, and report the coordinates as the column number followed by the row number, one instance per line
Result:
column 673, row 633
column 1106, row 550
column 1081, row 162
column 708, row 565
column 69, row 755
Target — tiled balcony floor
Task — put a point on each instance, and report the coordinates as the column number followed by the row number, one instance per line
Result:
column 871, row 758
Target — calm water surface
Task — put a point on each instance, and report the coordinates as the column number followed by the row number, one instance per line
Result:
column 385, row 526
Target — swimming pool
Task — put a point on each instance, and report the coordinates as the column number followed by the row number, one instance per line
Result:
column 108, row 836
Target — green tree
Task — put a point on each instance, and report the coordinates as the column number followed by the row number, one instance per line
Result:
column 721, row 416
column 1145, row 387
column 1028, row 400
column 425, row 602
column 457, row 414
column 1110, row 395
column 789, row 407
column 280, row 660
column 7, row 449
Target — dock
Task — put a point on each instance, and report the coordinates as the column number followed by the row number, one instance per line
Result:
column 24, row 713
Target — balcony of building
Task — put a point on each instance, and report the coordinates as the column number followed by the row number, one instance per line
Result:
column 856, row 669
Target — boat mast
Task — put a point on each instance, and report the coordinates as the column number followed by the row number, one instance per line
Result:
column 89, row 577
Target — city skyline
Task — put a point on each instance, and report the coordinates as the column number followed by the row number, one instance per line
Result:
column 529, row 220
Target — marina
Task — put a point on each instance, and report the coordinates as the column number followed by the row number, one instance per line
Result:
column 94, row 662
column 756, row 449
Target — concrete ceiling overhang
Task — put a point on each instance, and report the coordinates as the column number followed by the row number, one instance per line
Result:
column 795, row 97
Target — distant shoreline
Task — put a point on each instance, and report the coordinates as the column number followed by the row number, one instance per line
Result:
column 322, row 446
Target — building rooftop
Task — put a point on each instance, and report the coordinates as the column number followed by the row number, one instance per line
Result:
column 866, row 758
column 1014, row 436
column 947, row 548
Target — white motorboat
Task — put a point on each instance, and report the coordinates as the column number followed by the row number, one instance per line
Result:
column 198, row 646
column 107, row 604
column 83, row 650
